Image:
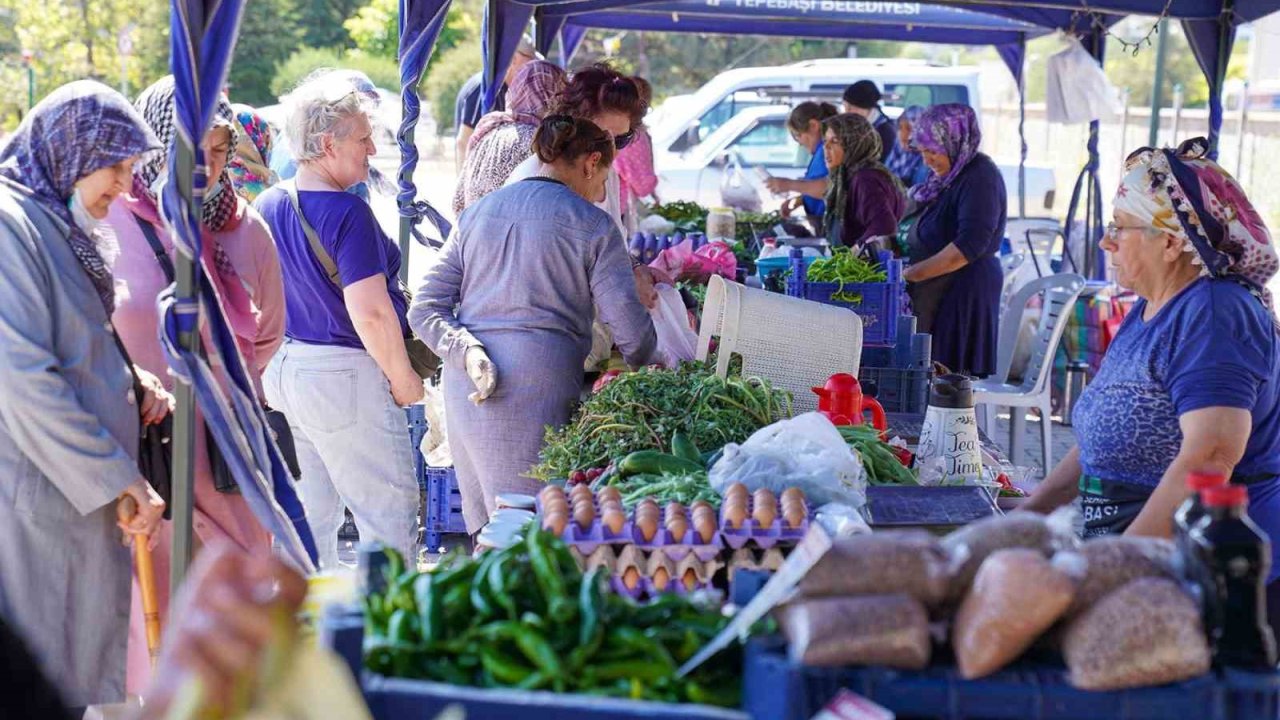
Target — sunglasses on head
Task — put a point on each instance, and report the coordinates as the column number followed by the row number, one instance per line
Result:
column 623, row 140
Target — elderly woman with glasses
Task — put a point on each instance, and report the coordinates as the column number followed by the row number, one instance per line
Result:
column 1192, row 380
column 343, row 373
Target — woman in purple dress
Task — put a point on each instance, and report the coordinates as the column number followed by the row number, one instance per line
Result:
column 864, row 199
column 951, row 234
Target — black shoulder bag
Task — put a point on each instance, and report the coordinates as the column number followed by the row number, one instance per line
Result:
column 155, row 446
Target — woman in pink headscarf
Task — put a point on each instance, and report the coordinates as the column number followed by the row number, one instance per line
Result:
column 503, row 140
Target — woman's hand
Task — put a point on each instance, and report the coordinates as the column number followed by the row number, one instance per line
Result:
column 226, row 616
column 147, row 511
column 778, row 185
column 408, row 390
column 644, row 286
column 790, row 205
column 156, row 402
column 483, row 374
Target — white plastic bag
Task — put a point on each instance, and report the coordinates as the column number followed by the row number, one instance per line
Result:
column 677, row 342
column 805, row 452
column 435, row 443
column 736, row 190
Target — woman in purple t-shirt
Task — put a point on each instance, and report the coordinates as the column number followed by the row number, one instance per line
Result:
column 343, row 374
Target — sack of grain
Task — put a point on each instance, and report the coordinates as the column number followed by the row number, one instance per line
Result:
column 884, row 630
column 888, row 563
column 1115, row 560
column 1146, row 633
column 1017, row 595
column 974, row 543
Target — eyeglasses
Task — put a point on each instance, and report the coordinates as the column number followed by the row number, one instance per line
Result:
column 1114, row 230
column 623, row 140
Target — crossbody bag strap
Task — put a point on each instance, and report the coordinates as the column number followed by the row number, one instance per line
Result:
column 313, row 239
column 162, row 255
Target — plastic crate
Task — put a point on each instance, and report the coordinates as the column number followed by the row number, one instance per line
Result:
column 444, row 506
column 777, row 689
column 342, row 630
column 898, row 390
column 881, row 305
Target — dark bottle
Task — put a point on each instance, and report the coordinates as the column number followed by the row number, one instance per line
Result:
column 1189, row 513
column 1237, row 556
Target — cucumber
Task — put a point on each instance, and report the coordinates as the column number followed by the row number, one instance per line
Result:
column 683, row 447
column 651, row 462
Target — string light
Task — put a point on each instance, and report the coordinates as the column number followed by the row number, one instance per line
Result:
column 1131, row 47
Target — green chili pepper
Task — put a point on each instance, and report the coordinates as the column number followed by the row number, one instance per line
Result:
column 497, row 586
column 504, row 670
column 539, row 652
column 479, row 585
column 547, row 575
column 401, row 628
column 430, row 607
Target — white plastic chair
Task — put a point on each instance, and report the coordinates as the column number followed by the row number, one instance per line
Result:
column 794, row 344
column 1011, row 264
column 1035, row 390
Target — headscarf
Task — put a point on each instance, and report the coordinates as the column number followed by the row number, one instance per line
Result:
column 1183, row 193
column 248, row 170
column 862, row 149
column 158, row 106
column 537, row 85
column 950, row 130
column 222, row 210
column 904, row 159
column 78, row 129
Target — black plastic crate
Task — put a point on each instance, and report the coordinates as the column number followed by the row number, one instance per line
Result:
column 899, row 390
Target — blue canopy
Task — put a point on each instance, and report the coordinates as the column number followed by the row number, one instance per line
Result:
column 200, row 55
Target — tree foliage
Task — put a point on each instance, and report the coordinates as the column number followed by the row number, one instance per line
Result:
column 322, row 22
column 269, row 33
column 449, row 71
column 384, row 73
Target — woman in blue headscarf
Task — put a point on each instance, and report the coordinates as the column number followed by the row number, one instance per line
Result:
column 69, row 423
column 905, row 160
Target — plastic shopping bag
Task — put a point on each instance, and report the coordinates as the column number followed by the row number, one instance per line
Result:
column 805, row 452
column 677, row 341
column 736, row 190
column 682, row 262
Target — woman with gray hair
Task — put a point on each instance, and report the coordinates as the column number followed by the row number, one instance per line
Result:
column 343, row 373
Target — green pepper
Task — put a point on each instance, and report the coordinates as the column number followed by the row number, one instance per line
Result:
column 638, row 668
column 481, row 604
column 504, row 670
column 548, row 575
column 430, row 608
column 534, row 681
column 728, row 694
column 401, row 628
column 497, row 585
column 633, row 642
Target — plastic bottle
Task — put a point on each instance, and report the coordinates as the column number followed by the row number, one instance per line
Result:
column 770, row 249
column 1192, row 509
column 1238, row 557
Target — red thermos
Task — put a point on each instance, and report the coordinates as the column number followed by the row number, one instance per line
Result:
column 841, row 400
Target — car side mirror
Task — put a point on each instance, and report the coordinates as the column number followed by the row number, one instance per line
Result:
column 722, row 159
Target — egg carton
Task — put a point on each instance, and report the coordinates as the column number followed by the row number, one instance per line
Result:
column 752, row 559
column 586, row 540
column 677, row 548
column 763, row 537
column 647, row 566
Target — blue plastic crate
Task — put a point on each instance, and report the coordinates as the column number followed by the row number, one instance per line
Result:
column 444, row 506
column 881, row 305
column 899, row 390
column 777, row 689
column 342, row 630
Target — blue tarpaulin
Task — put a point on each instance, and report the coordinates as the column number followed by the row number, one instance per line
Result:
column 202, row 36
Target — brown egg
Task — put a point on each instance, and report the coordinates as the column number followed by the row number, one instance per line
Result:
column 661, row 578
column 701, row 504
column 706, row 528
column 555, row 522
column 677, row 526
column 612, row 505
column 736, row 490
column 704, row 513
column 580, row 492
column 764, row 497
column 648, row 511
column 614, row 520
column 792, row 492
column 674, row 509
column 631, row 578
column 648, row 502
column 609, row 492
column 584, row 515
column 764, row 516
column 583, row 502
column 556, row 505
column 733, row 516
column 794, row 518
column 648, row 527
column 690, row 579
column 550, row 491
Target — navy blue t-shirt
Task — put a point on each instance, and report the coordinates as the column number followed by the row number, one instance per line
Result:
column 817, row 170
column 467, row 111
column 315, row 309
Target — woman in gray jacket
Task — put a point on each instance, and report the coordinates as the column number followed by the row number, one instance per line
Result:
column 69, row 420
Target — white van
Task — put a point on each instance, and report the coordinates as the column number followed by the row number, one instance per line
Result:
column 689, row 168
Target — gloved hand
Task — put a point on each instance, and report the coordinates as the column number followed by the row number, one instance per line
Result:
column 483, row 374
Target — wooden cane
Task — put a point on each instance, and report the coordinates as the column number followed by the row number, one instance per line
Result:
column 125, row 510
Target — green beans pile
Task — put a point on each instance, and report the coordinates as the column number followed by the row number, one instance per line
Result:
column 845, row 268
column 526, row 617
column 878, row 458
column 643, row 410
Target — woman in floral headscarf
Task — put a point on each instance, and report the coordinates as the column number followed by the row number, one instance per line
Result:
column 1191, row 381
column 239, row 256
column 951, row 235
column 864, row 199
column 248, row 169
column 504, row 139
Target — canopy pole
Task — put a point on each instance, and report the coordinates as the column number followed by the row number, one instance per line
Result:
column 1157, row 85
column 1226, row 33
column 184, row 413
column 1022, row 128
